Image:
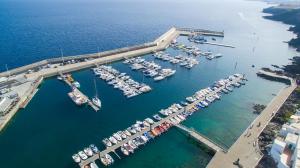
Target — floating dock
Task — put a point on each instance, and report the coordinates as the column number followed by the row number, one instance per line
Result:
column 218, row 44
column 201, row 138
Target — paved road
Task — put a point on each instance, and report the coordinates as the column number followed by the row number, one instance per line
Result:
column 246, row 148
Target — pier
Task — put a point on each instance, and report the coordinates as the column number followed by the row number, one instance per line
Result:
column 217, row 44
column 245, row 148
column 273, row 76
column 198, row 136
column 119, row 144
column 201, row 138
column 89, row 102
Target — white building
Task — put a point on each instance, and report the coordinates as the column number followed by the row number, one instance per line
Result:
column 4, row 105
column 277, row 149
column 293, row 128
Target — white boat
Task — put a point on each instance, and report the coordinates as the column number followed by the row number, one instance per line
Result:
column 76, row 158
column 149, row 120
column 82, row 155
column 76, row 84
column 127, row 133
column 158, row 78
column 124, row 151
column 113, row 140
column 94, row 148
column 128, row 148
column 88, row 151
column 118, row 137
column 93, row 165
column 107, row 142
column 96, row 101
column 77, row 98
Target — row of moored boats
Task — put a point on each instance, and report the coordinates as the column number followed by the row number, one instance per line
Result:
column 194, row 50
column 150, row 69
column 184, row 61
column 143, row 131
column 121, row 81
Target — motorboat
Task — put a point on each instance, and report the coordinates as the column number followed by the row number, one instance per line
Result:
column 88, row 151
column 76, row 158
column 117, row 136
column 94, row 148
column 113, row 140
column 82, row 155
column 124, row 151
column 107, row 142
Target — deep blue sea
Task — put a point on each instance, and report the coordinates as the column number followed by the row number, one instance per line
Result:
column 52, row 128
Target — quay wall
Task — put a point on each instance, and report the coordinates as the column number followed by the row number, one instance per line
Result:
column 159, row 44
column 39, row 64
column 187, row 31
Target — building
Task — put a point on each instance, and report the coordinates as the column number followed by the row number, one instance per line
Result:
column 286, row 149
column 4, row 105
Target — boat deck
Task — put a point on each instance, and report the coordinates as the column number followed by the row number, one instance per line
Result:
column 89, row 102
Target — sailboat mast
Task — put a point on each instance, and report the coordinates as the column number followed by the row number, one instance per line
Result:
column 95, row 88
column 62, row 55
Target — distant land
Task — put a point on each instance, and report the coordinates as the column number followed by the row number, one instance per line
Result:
column 288, row 12
column 289, row 16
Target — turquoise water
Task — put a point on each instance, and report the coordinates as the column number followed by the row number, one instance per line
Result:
column 52, row 128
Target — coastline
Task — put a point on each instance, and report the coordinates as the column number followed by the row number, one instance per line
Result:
column 287, row 15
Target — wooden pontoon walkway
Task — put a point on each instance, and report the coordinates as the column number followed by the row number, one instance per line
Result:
column 201, row 138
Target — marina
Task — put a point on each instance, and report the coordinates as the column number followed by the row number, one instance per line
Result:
column 56, row 129
column 142, row 132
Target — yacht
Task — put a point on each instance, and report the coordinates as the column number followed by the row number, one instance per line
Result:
column 218, row 55
column 157, row 117
column 149, row 120
column 82, row 155
column 94, row 148
column 76, row 84
column 158, row 78
column 113, row 140
column 127, row 133
column 93, row 165
column 128, row 148
column 96, row 101
column 107, row 142
column 88, row 151
column 124, row 151
column 76, row 158
column 77, row 98
column 117, row 136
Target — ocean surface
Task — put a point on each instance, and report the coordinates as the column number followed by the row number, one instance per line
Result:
column 52, row 127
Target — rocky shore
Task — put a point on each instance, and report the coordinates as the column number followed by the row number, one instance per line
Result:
column 258, row 108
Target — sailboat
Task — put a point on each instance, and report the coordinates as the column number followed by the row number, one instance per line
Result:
column 95, row 99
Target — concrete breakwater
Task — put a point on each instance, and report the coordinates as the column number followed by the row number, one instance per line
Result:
column 159, row 44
